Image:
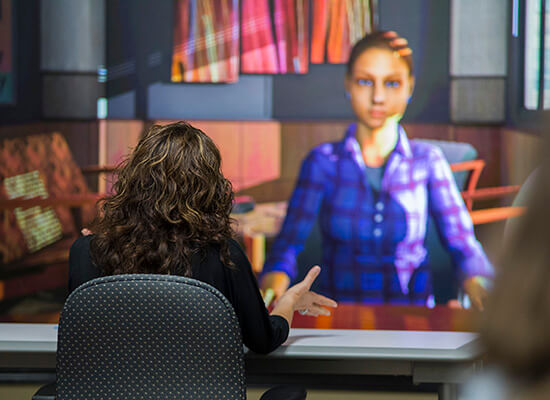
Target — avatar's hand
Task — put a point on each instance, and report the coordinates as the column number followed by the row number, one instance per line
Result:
column 277, row 281
column 476, row 291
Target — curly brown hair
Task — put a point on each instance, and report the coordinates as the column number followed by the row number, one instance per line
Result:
column 170, row 201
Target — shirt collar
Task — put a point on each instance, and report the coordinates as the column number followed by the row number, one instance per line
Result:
column 402, row 146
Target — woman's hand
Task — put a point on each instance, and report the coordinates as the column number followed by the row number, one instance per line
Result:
column 476, row 291
column 305, row 300
column 276, row 281
column 300, row 298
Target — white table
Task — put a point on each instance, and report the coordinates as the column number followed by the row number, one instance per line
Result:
column 332, row 357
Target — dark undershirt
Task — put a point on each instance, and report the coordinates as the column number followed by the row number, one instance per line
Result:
column 261, row 332
column 374, row 176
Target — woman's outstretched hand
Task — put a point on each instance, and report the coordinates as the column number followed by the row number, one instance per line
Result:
column 314, row 304
column 300, row 298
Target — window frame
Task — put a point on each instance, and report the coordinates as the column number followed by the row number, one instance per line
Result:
column 518, row 117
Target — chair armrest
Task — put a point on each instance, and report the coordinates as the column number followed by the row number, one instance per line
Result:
column 46, row 392
column 476, row 167
column 470, row 165
column 71, row 200
column 98, row 169
column 491, row 192
column 488, row 215
column 285, row 392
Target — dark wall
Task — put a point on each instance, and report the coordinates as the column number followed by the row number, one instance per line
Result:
column 139, row 51
column 317, row 95
column 139, row 46
column 28, row 91
column 425, row 24
column 122, row 38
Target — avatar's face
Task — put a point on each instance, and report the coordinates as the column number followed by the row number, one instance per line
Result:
column 379, row 86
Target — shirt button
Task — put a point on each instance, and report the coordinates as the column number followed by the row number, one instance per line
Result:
column 377, row 232
column 378, row 218
column 379, row 206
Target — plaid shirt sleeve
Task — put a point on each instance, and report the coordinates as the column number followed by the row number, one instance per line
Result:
column 453, row 220
column 302, row 211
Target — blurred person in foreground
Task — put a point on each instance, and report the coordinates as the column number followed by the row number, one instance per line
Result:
column 515, row 327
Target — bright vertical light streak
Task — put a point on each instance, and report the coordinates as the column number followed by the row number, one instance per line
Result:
column 515, row 16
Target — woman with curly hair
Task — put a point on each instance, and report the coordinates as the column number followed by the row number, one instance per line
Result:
column 170, row 214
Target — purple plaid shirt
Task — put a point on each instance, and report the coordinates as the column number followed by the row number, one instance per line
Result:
column 373, row 242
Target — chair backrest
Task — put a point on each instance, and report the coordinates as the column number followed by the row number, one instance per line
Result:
column 444, row 278
column 444, row 272
column 149, row 337
column 454, row 152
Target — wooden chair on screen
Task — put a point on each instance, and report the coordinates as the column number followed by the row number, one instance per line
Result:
column 44, row 202
column 472, row 193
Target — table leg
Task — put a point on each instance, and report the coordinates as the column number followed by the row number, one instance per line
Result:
column 448, row 391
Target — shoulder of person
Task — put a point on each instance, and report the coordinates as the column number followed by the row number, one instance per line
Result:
column 325, row 153
column 422, row 149
column 236, row 251
column 81, row 244
column 234, row 246
column 238, row 256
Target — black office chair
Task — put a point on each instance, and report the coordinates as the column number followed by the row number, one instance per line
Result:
column 149, row 337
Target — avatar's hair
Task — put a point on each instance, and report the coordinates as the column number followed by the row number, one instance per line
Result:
column 385, row 40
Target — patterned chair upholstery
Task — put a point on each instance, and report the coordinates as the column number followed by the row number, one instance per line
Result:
column 149, row 337
column 26, row 266
column 145, row 336
column 50, row 155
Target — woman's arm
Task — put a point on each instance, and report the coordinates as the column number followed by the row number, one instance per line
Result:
column 262, row 332
column 81, row 268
